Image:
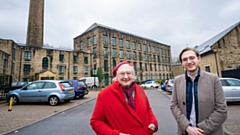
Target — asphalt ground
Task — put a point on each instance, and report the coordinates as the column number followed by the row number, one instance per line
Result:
column 29, row 113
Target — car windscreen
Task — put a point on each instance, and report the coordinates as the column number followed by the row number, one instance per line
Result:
column 81, row 83
column 66, row 84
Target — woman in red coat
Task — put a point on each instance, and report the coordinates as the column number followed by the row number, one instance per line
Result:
column 123, row 107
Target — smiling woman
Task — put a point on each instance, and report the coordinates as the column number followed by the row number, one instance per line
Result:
column 123, row 106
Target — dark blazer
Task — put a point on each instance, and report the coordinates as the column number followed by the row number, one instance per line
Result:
column 212, row 108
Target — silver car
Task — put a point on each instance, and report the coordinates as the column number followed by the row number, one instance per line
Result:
column 231, row 88
column 169, row 85
column 51, row 91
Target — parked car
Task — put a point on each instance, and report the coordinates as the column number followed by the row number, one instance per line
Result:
column 150, row 84
column 169, row 85
column 80, row 88
column 14, row 86
column 231, row 88
column 51, row 91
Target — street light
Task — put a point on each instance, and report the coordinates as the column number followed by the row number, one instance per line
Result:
column 94, row 71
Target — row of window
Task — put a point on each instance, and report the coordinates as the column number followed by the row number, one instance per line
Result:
column 134, row 55
column 156, row 67
column 135, row 46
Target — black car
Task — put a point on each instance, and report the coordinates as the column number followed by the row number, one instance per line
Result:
column 14, row 86
column 80, row 88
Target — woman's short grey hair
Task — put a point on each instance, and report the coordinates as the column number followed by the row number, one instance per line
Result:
column 125, row 67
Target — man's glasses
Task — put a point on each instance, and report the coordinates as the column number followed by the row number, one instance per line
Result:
column 191, row 58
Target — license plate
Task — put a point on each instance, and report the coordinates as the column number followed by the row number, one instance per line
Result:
column 70, row 91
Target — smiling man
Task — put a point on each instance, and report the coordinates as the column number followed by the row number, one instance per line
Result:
column 198, row 102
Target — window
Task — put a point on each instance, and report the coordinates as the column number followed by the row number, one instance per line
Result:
column 127, row 44
column 121, row 54
column 114, row 63
column 150, row 58
column 4, row 65
column 159, row 67
column 128, row 55
column 154, row 58
column 61, row 57
column 139, row 46
column 120, row 43
column 134, row 55
column 149, row 48
column 75, row 58
column 140, row 56
column 150, row 67
column 75, row 69
column 60, row 78
column 146, row 76
column 145, row 56
column 85, row 69
column 61, row 69
column 113, row 41
column 140, row 66
column 94, row 52
column 114, row 53
column 105, row 40
column 27, row 55
column 26, row 68
column 162, row 67
column 105, row 52
column 160, row 50
column 146, row 68
column 85, row 60
column 133, row 45
column 75, row 78
column 135, row 65
column 94, row 40
column 144, row 48
column 105, row 65
column 81, row 45
column 155, row 67
column 45, row 63
column 158, row 58
column 207, row 69
column 89, row 41
column 153, row 49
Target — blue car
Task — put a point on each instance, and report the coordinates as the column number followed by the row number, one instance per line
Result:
column 80, row 88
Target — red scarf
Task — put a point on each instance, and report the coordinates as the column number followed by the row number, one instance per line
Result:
column 128, row 92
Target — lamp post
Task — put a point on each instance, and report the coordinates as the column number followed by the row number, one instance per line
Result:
column 94, row 72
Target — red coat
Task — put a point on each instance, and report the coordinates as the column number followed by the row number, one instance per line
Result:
column 113, row 115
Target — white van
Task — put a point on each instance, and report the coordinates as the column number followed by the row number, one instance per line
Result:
column 90, row 81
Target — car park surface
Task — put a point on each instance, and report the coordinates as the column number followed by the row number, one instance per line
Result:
column 231, row 88
column 51, row 91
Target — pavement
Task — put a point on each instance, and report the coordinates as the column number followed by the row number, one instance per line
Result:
column 28, row 113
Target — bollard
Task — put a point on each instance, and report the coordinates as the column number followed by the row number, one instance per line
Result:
column 10, row 104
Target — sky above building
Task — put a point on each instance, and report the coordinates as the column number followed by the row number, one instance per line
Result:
column 178, row 23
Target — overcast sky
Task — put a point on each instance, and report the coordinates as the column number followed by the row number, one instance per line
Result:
column 178, row 23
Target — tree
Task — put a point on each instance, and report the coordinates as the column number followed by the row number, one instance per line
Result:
column 100, row 74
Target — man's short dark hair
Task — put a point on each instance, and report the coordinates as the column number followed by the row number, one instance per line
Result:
column 188, row 49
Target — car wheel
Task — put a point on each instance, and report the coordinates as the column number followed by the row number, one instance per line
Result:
column 152, row 87
column 14, row 99
column 94, row 86
column 53, row 100
column 81, row 96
